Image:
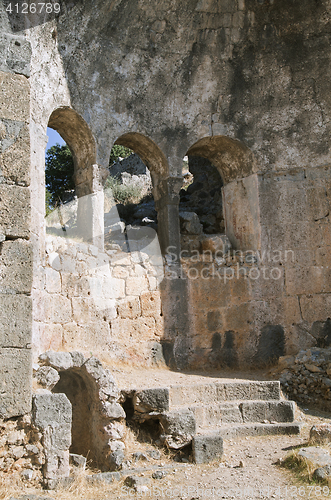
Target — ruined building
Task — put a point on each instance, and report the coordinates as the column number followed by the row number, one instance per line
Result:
column 240, row 87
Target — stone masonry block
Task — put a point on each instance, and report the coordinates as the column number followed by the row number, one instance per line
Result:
column 16, row 318
column 17, row 55
column 16, row 267
column 207, row 447
column 113, row 288
column 179, row 422
column 315, row 307
column 136, row 285
column 113, row 410
column 265, row 390
column 57, row 308
column 150, row 400
column 15, row 210
column 58, row 360
column 281, row 411
column 83, row 310
column 129, row 308
column 209, row 293
column 47, row 336
column 301, row 280
column 53, row 280
column 238, row 318
column 14, row 97
column 15, row 382
column 52, row 410
column 150, row 304
column 129, row 330
column 15, row 159
column 47, row 377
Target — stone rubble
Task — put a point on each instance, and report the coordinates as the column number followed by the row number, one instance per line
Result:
column 306, row 377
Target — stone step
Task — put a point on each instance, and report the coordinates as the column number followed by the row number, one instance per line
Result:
column 231, row 431
column 207, row 445
column 214, row 392
column 241, row 412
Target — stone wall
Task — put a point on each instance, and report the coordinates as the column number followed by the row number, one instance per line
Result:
column 21, row 450
column 253, row 306
column 107, row 303
column 306, row 376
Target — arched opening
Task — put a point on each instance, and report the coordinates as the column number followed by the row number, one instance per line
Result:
column 76, row 133
column 59, row 184
column 132, row 185
column 79, row 394
column 237, row 167
column 87, row 179
column 200, row 206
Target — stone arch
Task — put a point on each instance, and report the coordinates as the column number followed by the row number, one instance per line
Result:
column 76, row 133
column 148, row 151
column 233, row 159
column 238, row 169
column 97, row 417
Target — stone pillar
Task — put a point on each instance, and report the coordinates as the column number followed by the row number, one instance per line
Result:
column 52, row 415
column 16, row 260
column 174, row 291
column 167, row 206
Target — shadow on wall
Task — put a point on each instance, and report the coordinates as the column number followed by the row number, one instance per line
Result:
column 271, row 345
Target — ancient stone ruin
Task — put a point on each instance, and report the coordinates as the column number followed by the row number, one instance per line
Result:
column 227, row 268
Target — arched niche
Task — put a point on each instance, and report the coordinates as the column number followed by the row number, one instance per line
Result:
column 238, row 169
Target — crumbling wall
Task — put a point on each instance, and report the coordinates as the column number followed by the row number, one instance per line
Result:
column 81, row 414
column 21, row 450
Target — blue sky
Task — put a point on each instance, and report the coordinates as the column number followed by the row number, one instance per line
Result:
column 53, row 138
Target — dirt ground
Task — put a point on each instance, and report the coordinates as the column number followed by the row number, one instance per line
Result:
column 248, row 470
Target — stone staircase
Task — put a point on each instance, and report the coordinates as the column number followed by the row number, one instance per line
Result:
column 236, row 409
column 206, row 413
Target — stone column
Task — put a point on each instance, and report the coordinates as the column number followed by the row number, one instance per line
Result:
column 174, row 288
column 167, row 206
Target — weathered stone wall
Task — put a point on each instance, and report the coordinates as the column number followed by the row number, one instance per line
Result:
column 244, row 84
column 306, row 376
column 252, row 307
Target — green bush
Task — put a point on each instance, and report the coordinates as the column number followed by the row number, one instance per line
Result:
column 122, row 193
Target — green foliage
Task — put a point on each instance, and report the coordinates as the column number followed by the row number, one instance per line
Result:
column 123, row 194
column 59, row 174
column 117, row 151
column 48, row 205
